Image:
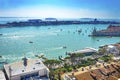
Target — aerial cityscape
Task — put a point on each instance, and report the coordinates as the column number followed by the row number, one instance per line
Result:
column 59, row 40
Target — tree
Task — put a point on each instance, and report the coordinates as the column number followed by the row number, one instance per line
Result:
column 102, row 51
column 59, row 76
column 52, row 63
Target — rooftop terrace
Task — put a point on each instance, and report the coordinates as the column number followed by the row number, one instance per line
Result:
column 19, row 68
column 85, row 50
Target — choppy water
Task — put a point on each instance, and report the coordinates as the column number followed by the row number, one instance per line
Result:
column 48, row 40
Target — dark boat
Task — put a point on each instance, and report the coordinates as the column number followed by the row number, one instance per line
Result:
column 98, row 40
column 0, row 56
column 60, row 58
column 30, row 42
column 79, row 31
column 3, row 62
column 64, row 47
column 109, row 36
column 1, row 34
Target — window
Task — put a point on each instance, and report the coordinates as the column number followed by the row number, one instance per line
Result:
column 29, row 76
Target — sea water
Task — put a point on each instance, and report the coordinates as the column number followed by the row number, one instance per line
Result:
column 15, row 43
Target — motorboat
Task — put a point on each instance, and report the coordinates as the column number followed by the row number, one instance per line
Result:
column 30, row 42
column 64, row 47
column 1, row 34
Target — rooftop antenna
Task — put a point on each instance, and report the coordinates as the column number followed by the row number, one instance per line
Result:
column 24, row 60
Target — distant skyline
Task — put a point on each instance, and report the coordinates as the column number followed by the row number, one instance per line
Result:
column 60, row 8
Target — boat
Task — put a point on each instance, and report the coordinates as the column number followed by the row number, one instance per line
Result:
column 60, row 58
column 98, row 40
column 1, row 34
column 109, row 36
column 0, row 56
column 3, row 62
column 79, row 31
column 49, row 28
column 61, row 29
column 64, row 47
column 30, row 42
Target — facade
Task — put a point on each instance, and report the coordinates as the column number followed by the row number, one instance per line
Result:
column 27, row 70
column 112, row 49
column 86, row 51
column 50, row 19
column 110, row 31
column 34, row 20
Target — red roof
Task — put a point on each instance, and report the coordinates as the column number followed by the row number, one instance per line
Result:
column 112, row 29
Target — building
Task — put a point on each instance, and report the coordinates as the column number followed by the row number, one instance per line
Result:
column 110, row 31
column 50, row 19
column 27, row 70
column 2, row 76
column 106, row 72
column 86, row 51
column 112, row 49
column 34, row 20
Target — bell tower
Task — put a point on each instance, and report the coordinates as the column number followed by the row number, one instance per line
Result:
column 94, row 31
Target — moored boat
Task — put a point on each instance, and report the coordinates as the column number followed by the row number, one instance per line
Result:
column 64, row 47
column 30, row 42
column 1, row 34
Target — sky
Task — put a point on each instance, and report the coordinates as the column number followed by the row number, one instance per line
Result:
column 60, row 8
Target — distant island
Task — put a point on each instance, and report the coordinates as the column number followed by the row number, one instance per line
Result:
column 110, row 31
column 53, row 21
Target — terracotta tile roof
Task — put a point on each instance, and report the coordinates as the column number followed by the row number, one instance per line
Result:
column 111, row 72
column 111, row 29
column 84, row 76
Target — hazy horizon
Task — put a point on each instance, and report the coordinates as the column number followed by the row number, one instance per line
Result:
column 60, row 9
